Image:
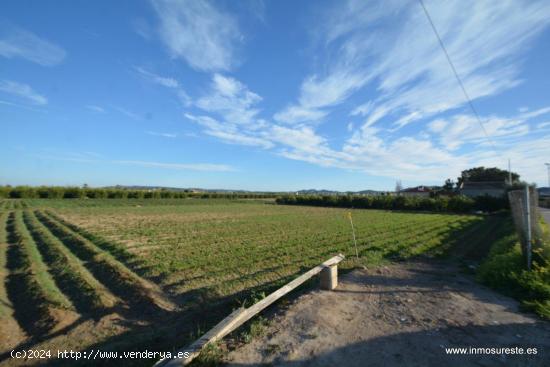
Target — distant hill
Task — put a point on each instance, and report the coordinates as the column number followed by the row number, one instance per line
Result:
column 332, row 192
column 194, row 189
column 167, row 188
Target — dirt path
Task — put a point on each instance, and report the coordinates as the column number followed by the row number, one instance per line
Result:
column 403, row 314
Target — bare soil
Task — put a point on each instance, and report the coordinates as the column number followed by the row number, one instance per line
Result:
column 402, row 314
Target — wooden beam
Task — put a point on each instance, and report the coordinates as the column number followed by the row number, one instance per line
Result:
column 242, row 315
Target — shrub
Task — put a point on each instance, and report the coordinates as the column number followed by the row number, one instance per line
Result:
column 53, row 192
column 505, row 271
column 73, row 193
column 458, row 204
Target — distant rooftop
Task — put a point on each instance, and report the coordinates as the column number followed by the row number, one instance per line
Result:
column 417, row 189
column 483, row 185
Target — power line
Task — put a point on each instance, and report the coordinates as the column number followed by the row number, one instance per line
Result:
column 456, row 75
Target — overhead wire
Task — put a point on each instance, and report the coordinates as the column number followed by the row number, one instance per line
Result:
column 466, row 95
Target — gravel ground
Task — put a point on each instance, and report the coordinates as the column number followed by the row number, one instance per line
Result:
column 402, row 314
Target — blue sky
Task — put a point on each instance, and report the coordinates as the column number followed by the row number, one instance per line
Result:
column 270, row 95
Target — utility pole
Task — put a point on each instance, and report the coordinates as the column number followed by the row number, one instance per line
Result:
column 509, row 173
column 528, row 218
column 548, row 167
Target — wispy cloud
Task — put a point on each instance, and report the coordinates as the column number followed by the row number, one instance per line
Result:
column 199, row 33
column 230, row 133
column 317, row 93
column 142, row 28
column 207, row 167
column 397, row 76
column 231, row 100
column 166, row 82
column 461, row 129
column 95, row 108
column 91, row 157
column 405, row 61
column 484, row 40
column 128, row 113
column 17, row 42
column 164, row 135
column 24, row 91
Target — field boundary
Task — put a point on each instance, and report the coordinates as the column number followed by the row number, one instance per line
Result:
column 240, row 316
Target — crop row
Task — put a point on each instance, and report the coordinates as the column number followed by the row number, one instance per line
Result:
column 224, row 248
column 47, row 269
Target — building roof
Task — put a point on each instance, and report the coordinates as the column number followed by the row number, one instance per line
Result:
column 483, row 185
column 417, row 189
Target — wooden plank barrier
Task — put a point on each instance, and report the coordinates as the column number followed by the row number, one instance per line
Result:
column 329, row 281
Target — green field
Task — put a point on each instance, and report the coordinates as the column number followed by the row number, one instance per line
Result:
column 189, row 260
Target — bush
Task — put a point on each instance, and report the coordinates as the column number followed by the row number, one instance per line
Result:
column 135, row 194
column 505, row 271
column 53, row 192
column 457, row 204
column 73, row 193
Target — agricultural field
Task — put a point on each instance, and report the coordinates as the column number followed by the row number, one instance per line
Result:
column 84, row 274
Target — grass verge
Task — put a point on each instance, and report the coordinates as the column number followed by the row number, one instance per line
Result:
column 505, row 270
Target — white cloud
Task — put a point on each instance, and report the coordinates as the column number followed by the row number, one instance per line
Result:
column 91, row 157
column 128, row 113
column 17, row 42
column 405, row 79
column 199, row 33
column 240, row 138
column 23, row 91
column 461, row 129
column 164, row 81
column 303, row 139
column 167, row 82
column 164, row 135
column 297, row 114
column 228, row 132
column 484, row 40
column 96, row 108
column 536, row 113
column 317, row 93
column 181, row 166
column 231, row 100
column 143, row 28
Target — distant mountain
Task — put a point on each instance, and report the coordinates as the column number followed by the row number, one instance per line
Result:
column 138, row 187
column 370, row 192
column 185, row 189
column 331, row 192
column 194, row 189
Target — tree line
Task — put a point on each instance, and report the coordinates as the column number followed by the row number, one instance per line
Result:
column 453, row 204
column 61, row 192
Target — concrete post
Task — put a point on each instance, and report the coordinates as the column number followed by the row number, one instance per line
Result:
column 528, row 237
column 329, row 277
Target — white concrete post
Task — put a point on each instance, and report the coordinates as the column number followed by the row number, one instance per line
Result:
column 528, row 219
column 329, row 277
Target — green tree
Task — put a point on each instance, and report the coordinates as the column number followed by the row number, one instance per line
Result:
column 449, row 184
column 482, row 174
